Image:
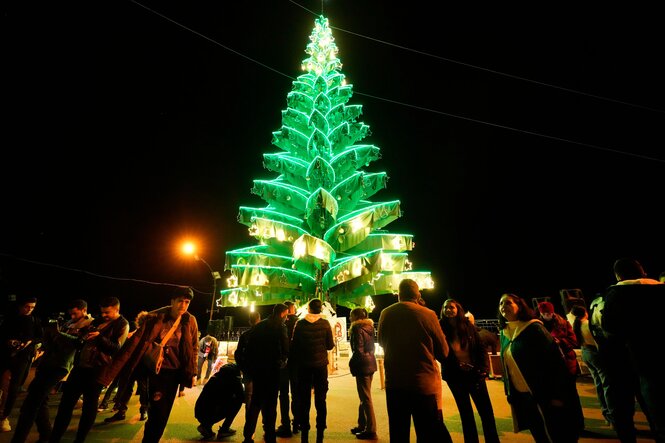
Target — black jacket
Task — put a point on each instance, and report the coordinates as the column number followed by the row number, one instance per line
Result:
column 221, row 395
column 267, row 348
column 361, row 337
column 312, row 339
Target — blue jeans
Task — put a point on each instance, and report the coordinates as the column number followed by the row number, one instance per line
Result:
column 593, row 360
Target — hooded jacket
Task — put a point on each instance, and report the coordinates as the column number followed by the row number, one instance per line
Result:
column 312, row 339
column 132, row 352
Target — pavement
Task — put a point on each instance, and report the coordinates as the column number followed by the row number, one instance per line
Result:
column 342, row 415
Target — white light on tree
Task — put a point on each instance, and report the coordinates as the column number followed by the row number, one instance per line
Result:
column 320, row 235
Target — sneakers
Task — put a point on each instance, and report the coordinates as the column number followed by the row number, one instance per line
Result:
column 284, row 431
column 102, row 407
column 115, row 417
column 144, row 416
column 355, row 430
column 365, row 435
column 223, row 433
column 205, row 431
column 4, row 425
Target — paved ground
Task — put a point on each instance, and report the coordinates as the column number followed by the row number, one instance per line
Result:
column 342, row 410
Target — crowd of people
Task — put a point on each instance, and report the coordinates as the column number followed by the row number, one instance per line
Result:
column 282, row 363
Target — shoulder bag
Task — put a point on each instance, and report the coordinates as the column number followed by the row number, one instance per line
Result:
column 154, row 354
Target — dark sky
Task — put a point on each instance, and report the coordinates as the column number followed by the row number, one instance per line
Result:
column 526, row 146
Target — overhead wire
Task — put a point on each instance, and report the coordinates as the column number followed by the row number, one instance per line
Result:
column 95, row 274
column 478, row 121
column 421, row 108
column 491, row 71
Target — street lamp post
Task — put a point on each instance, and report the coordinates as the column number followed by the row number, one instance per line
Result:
column 215, row 277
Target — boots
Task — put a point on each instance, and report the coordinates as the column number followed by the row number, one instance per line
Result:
column 319, row 435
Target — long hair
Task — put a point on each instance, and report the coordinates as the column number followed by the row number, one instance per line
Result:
column 358, row 314
column 458, row 327
column 524, row 313
column 579, row 312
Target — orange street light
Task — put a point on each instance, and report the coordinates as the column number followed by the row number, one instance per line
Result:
column 189, row 248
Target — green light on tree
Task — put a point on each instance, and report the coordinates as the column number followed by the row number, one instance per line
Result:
column 320, row 235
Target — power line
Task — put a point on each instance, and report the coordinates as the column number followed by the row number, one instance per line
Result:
column 95, row 274
column 492, row 71
column 421, row 108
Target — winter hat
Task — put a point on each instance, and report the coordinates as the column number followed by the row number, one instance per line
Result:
column 546, row 307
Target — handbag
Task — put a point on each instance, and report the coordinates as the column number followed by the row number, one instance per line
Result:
column 154, row 354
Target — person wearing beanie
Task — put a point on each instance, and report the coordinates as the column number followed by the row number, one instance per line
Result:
column 180, row 358
column 546, row 307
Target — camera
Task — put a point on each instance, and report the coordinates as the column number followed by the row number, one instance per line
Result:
column 83, row 333
column 56, row 318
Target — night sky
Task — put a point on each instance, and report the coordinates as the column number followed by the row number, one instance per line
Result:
column 526, row 146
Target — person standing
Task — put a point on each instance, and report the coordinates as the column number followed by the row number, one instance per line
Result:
column 20, row 334
column 311, row 341
column 412, row 342
column 208, row 348
column 590, row 355
column 489, row 341
column 101, row 341
column 180, row 358
column 363, row 366
column 465, row 371
column 536, row 380
column 60, row 345
column 633, row 343
column 287, row 382
column 240, row 357
column 115, row 386
column 562, row 332
column 266, row 353
column 125, row 381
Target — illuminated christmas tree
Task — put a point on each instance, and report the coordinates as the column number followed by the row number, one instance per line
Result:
column 320, row 235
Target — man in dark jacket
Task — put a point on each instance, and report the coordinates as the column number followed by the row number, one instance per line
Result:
column 412, row 342
column 180, row 358
column 20, row 334
column 58, row 359
column 220, row 399
column 633, row 355
column 266, row 353
column 240, row 356
column 287, row 382
column 311, row 341
column 102, row 340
